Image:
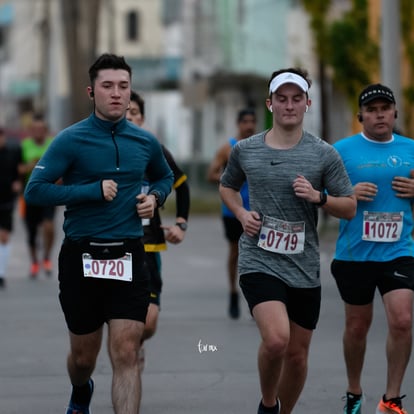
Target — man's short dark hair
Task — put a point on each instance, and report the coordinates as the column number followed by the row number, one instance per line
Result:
column 136, row 97
column 244, row 112
column 38, row 116
column 108, row 61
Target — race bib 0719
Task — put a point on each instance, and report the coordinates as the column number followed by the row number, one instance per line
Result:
column 279, row 236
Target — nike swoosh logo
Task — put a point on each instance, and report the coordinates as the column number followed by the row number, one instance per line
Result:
column 400, row 275
column 275, row 162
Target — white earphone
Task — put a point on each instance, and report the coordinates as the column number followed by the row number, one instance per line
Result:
column 306, row 108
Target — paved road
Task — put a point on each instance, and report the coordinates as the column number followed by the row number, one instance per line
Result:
column 177, row 379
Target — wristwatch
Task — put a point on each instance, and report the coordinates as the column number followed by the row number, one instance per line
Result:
column 156, row 194
column 323, row 199
column 182, row 226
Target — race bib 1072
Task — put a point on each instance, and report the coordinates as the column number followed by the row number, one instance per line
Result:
column 382, row 226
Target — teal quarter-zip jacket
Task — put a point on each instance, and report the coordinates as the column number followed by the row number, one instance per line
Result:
column 83, row 155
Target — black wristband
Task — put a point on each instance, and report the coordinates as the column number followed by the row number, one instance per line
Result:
column 156, row 194
column 323, row 199
column 102, row 191
column 182, row 226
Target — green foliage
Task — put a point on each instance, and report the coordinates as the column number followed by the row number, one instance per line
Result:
column 409, row 94
column 353, row 56
column 318, row 10
column 345, row 45
column 407, row 17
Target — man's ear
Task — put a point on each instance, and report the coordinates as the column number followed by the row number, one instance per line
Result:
column 90, row 92
column 269, row 105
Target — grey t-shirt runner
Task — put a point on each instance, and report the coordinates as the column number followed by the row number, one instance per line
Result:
column 270, row 174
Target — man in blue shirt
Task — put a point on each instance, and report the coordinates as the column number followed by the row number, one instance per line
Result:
column 375, row 249
column 246, row 125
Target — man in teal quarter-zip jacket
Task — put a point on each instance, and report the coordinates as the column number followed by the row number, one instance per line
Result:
column 101, row 162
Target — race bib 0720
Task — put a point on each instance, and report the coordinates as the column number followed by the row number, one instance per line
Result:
column 116, row 269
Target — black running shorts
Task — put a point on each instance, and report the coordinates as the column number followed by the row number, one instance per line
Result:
column 357, row 281
column 232, row 229
column 302, row 305
column 153, row 260
column 6, row 219
column 87, row 302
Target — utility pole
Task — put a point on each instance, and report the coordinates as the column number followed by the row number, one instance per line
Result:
column 110, row 10
column 391, row 51
column 42, row 104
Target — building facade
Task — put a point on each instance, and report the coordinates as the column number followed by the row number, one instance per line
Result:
column 196, row 62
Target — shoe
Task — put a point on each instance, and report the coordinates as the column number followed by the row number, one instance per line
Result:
column 234, row 310
column 48, row 267
column 391, row 406
column 81, row 409
column 34, row 270
column 141, row 358
column 353, row 403
column 2, row 282
column 267, row 410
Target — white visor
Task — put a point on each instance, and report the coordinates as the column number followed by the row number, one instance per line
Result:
column 288, row 77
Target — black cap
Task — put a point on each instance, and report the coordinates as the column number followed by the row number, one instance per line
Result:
column 376, row 91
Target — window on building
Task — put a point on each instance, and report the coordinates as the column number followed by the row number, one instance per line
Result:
column 241, row 10
column 3, row 43
column 172, row 11
column 132, row 26
column 198, row 32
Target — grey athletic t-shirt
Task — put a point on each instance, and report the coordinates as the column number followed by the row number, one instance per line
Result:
column 270, row 174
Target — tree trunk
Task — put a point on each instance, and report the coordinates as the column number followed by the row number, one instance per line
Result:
column 80, row 26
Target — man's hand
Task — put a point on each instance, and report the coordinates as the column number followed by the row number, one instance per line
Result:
column 17, row 186
column 404, row 186
column 365, row 191
column 173, row 234
column 109, row 189
column 251, row 222
column 146, row 205
column 304, row 189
